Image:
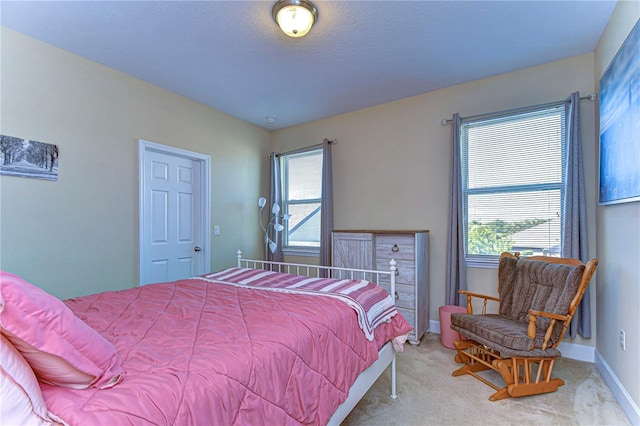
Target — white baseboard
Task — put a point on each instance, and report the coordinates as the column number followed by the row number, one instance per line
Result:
column 434, row 327
column 577, row 352
column 627, row 403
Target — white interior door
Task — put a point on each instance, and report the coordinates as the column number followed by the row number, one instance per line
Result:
column 174, row 213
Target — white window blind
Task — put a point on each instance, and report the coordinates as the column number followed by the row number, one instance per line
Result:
column 512, row 181
column 302, row 198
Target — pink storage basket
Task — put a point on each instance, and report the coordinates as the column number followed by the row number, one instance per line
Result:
column 447, row 335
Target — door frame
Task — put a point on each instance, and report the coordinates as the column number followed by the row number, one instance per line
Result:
column 205, row 187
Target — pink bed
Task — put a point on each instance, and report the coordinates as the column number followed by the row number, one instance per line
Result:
column 219, row 352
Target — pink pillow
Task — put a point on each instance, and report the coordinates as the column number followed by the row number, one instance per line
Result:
column 61, row 348
column 49, row 368
column 22, row 400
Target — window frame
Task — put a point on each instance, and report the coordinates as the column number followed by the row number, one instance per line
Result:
column 491, row 261
column 287, row 249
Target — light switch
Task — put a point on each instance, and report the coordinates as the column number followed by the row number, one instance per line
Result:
column 216, row 229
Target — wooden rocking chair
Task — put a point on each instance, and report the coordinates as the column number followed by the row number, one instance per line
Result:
column 538, row 297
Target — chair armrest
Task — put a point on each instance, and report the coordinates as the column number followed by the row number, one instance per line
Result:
column 531, row 329
column 480, row 296
column 548, row 315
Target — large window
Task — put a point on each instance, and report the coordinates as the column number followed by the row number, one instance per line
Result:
column 302, row 199
column 512, row 183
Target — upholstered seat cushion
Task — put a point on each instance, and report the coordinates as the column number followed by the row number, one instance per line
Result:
column 506, row 335
column 524, row 285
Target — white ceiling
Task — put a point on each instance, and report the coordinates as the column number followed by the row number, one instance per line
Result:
column 231, row 55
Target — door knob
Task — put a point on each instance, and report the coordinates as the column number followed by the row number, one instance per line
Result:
column 196, row 248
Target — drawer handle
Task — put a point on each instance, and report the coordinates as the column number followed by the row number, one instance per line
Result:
column 395, row 248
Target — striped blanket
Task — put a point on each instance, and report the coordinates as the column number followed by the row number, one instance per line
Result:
column 371, row 302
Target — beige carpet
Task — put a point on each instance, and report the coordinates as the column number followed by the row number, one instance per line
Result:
column 429, row 395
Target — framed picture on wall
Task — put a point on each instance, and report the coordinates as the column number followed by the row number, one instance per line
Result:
column 26, row 158
column 620, row 125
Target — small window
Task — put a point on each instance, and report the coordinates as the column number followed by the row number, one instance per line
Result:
column 512, row 183
column 302, row 199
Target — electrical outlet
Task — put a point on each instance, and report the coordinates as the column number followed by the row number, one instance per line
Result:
column 623, row 343
column 216, row 230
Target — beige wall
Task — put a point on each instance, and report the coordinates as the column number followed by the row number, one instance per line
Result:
column 618, row 226
column 391, row 170
column 79, row 235
column 392, row 161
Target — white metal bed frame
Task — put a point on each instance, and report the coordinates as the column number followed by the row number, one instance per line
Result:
column 386, row 355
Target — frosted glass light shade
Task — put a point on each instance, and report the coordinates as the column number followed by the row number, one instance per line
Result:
column 272, row 246
column 295, row 17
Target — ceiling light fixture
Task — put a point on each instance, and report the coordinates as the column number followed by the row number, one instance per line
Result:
column 295, row 17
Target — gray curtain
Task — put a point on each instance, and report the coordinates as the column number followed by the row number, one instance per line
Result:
column 326, row 213
column 456, row 264
column 574, row 215
column 275, row 198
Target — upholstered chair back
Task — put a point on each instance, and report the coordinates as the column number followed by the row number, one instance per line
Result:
column 531, row 284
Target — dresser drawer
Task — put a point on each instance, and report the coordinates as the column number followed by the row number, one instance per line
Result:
column 395, row 246
column 405, row 295
column 410, row 316
column 405, row 271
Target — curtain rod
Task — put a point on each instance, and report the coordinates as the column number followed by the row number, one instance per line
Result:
column 318, row 145
column 590, row 97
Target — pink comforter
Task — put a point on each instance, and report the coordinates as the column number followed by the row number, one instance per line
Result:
column 202, row 353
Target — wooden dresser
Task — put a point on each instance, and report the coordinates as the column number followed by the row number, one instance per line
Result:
column 366, row 249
